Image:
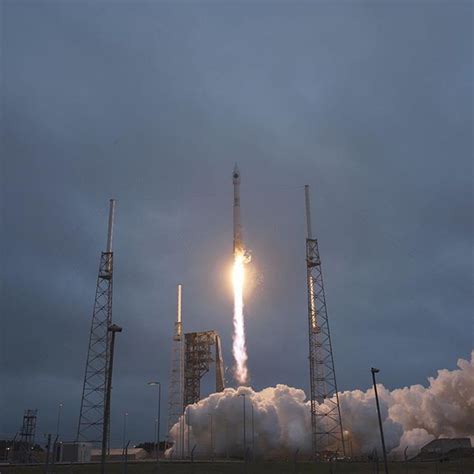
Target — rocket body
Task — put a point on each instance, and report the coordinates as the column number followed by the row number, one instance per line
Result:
column 238, row 244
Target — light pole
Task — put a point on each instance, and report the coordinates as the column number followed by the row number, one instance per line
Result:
column 253, row 436
column 375, row 371
column 124, row 429
column 212, row 441
column 189, row 432
column 113, row 328
column 60, row 407
column 227, row 439
column 347, row 435
column 244, row 431
column 155, row 426
column 152, row 384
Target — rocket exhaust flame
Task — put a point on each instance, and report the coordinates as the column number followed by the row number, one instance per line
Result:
column 239, row 349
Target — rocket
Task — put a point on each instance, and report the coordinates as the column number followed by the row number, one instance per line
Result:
column 238, row 244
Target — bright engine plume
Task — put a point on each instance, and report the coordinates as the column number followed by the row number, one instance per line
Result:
column 239, row 349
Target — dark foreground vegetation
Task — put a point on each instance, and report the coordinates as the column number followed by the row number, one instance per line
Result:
column 461, row 466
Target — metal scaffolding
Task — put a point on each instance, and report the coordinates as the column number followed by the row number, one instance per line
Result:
column 22, row 450
column 197, row 359
column 91, row 417
column 326, row 425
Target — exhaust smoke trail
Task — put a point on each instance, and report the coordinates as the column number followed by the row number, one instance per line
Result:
column 239, row 349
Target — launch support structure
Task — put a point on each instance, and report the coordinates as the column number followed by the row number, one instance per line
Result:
column 326, row 425
column 190, row 361
column 22, row 450
column 197, row 360
column 91, row 417
column 176, row 383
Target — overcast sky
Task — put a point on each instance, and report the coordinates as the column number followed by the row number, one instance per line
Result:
column 152, row 103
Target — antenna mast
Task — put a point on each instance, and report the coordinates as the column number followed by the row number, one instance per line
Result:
column 176, row 387
column 91, row 417
column 326, row 425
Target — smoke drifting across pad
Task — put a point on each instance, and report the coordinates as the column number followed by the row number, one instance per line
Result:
column 412, row 416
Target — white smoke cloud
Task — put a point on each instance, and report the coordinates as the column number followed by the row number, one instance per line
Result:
column 411, row 416
column 281, row 420
column 358, row 411
column 444, row 409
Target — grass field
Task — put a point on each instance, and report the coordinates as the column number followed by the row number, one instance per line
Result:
column 176, row 467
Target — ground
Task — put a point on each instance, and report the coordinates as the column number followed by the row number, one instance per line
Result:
column 465, row 466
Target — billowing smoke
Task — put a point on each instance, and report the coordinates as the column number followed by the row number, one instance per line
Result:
column 412, row 416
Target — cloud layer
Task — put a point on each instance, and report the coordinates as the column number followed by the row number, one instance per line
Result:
column 412, row 416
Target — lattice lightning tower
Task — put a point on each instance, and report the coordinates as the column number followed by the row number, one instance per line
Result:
column 176, row 384
column 326, row 425
column 91, row 417
column 23, row 450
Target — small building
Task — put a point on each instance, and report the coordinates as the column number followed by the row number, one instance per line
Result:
column 75, row 452
column 117, row 454
column 444, row 445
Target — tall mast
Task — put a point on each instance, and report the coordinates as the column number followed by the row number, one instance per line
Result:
column 91, row 416
column 326, row 425
column 176, row 384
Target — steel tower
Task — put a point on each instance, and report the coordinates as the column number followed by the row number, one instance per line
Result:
column 176, row 384
column 91, row 417
column 22, row 452
column 326, row 425
column 197, row 360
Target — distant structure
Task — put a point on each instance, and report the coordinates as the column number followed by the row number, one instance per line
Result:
column 75, row 452
column 326, row 425
column 117, row 454
column 197, row 359
column 23, row 449
column 91, row 417
column 445, row 445
column 176, row 383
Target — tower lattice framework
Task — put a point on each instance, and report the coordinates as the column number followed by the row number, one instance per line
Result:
column 197, row 360
column 91, row 417
column 23, row 449
column 326, row 424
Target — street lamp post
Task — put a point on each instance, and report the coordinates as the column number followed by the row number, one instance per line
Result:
column 60, row 407
column 375, row 371
column 347, row 436
column 227, row 439
column 189, row 432
column 244, row 430
column 212, row 440
column 124, row 430
column 253, row 437
column 152, row 384
column 155, row 440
